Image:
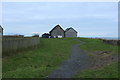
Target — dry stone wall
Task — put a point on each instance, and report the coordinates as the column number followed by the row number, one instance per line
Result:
column 114, row 42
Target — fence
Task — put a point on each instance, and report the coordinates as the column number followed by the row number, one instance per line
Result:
column 10, row 45
column 114, row 42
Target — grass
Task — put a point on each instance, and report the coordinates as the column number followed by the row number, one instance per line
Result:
column 93, row 45
column 109, row 71
column 40, row 62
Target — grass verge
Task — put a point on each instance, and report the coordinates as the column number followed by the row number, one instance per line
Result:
column 93, row 45
column 109, row 71
column 40, row 62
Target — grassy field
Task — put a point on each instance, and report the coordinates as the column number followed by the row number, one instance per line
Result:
column 38, row 63
column 108, row 71
column 93, row 45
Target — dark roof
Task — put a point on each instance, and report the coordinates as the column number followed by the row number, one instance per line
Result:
column 69, row 29
column 46, row 34
column 55, row 27
column 1, row 27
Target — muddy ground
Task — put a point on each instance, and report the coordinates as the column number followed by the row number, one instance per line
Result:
column 102, row 58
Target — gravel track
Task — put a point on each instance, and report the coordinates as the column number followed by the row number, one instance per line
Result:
column 77, row 61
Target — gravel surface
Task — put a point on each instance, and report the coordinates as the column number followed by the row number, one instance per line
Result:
column 77, row 62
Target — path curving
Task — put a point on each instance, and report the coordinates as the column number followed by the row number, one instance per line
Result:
column 77, row 61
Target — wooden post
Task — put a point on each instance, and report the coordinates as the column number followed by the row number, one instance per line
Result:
column 1, row 31
column 1, row 34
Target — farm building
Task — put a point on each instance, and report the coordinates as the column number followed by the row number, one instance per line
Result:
column 57, row 32
column 1, row 31
column 70, row 32
column 46, row 35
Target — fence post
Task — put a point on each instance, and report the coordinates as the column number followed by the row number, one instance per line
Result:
column 1, row 34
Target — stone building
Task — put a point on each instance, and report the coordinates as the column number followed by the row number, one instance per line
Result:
column 46, row 35
column 57, row 32
column 70, row 32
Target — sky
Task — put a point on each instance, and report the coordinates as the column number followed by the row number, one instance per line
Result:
column 89, row 19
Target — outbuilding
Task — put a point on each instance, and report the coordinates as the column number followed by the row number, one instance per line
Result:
column 57, row 32
column 46, row 35
column 70, row 32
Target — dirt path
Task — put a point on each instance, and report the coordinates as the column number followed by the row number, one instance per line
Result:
column 77, row 61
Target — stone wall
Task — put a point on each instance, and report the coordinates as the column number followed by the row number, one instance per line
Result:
column 114, row 42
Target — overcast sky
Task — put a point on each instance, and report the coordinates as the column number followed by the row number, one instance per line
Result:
column 89, row 19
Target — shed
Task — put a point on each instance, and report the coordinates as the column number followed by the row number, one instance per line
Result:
column 57, row 32
column 46, row 35
column 70, row 32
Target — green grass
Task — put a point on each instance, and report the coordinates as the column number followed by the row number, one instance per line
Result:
column 109, row 71
column 40, row 62
column 93, row 45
